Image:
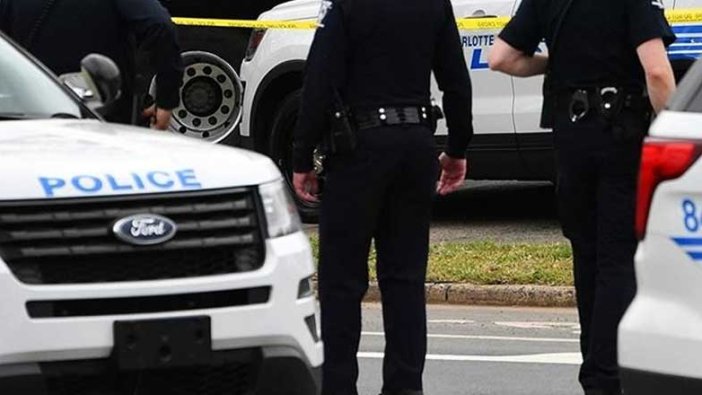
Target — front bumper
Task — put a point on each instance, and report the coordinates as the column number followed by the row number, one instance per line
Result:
column 265, row 371
column 638, row 382
column 286, row 319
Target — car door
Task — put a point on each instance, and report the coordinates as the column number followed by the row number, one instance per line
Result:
column 535, row 143
column 493, row 150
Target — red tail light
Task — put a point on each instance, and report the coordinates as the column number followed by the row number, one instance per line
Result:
column 254, row 41
column 661, row 161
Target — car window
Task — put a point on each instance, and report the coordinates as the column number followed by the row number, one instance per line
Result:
column 26, row 91
column 688, row 96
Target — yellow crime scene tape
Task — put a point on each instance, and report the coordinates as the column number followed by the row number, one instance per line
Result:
column 673, row 16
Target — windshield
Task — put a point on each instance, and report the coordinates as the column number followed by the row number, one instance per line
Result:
column 26, row 92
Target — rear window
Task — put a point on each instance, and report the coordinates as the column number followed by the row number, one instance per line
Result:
column 688, row 96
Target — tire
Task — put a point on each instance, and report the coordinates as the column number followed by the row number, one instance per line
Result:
column 280, row 150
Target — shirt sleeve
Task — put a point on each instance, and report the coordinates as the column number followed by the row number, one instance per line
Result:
column 647, row 22
column 523, row 32
column 325, row 70
column 156, row 35
column 451, row 72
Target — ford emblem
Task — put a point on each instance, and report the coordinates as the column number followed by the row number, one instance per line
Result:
column 145, row 229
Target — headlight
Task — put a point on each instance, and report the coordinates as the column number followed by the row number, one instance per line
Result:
column 281, row 213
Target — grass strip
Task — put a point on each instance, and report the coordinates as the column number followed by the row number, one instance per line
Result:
column 489, row 263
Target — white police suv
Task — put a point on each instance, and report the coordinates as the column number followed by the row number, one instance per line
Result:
column 138, row 262
column 660, row 337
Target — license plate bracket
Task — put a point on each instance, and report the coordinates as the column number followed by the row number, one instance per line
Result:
column 162, row 343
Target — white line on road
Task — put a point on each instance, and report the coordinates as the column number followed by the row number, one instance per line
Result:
column 540, row 325
column 458, row 322
column 497, row 338
column 552, row 359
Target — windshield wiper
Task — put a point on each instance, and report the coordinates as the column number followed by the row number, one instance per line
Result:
column 18, row 116
column 64, row 115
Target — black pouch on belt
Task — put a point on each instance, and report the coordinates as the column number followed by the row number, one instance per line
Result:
column 631, row 122
column 342, row 138
column 611, row 102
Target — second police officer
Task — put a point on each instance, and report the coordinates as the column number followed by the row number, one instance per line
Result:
column 370, row 66
column 607, row 69
column 61, row 32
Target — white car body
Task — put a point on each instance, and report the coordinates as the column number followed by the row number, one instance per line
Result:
column 660, row 337
column 509, row 143
column 67, row 181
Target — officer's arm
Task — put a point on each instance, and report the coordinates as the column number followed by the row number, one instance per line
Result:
column 325, row 70
column 650, row 33
column 451, row 74
column 515, row 49
column 660, row 78
column 156, row 34
column 507, row 59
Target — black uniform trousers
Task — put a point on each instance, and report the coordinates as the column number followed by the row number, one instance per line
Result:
column 382, row 191
column 597, row 163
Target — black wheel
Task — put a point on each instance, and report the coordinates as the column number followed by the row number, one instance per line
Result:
column 280, row 150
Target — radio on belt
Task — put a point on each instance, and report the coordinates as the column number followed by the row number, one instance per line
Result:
column 134, row 181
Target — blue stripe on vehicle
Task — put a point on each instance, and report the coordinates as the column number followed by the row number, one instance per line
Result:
column 687, row 29
column 688, row 241
column 697, row 256
column 683, row 57
column 686, row 40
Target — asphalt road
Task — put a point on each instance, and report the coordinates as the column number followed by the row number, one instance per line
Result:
column 499, row 211
column 486, row 351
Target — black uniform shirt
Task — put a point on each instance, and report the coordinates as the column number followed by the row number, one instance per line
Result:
column 76, row 28
column 381, row 53
column 597, row 42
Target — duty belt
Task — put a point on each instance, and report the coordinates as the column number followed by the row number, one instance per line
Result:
column 390, row 116
column 608, row 101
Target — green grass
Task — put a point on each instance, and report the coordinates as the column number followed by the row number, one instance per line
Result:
column 488, row 263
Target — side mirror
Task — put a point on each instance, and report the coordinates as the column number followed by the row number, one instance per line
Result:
column 99, row 84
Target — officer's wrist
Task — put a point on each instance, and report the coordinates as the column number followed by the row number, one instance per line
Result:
column 454, row 154
column 302, row 165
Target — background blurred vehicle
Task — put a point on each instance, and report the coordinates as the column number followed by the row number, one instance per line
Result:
column 212, row 93
column 508, row 144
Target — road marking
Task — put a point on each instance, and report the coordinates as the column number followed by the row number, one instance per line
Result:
column 540, row 325
column 498, row 338
column 550, row 359
column 457, row 322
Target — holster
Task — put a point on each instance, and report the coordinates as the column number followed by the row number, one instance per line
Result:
column 342, row 137
column 549, row 104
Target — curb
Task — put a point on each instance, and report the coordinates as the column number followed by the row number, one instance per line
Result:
column 491, row 295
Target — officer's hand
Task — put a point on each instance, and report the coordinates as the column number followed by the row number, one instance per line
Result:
column 159, row 118
column 453, row 174
column 306, row 186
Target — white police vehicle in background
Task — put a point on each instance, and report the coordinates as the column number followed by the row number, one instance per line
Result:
column 509, row 144
column 660, row 337
column 142, row 262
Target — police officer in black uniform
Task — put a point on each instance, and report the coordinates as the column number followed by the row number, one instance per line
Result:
column 607, row 69
column 375, row 58
column 61, row 32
